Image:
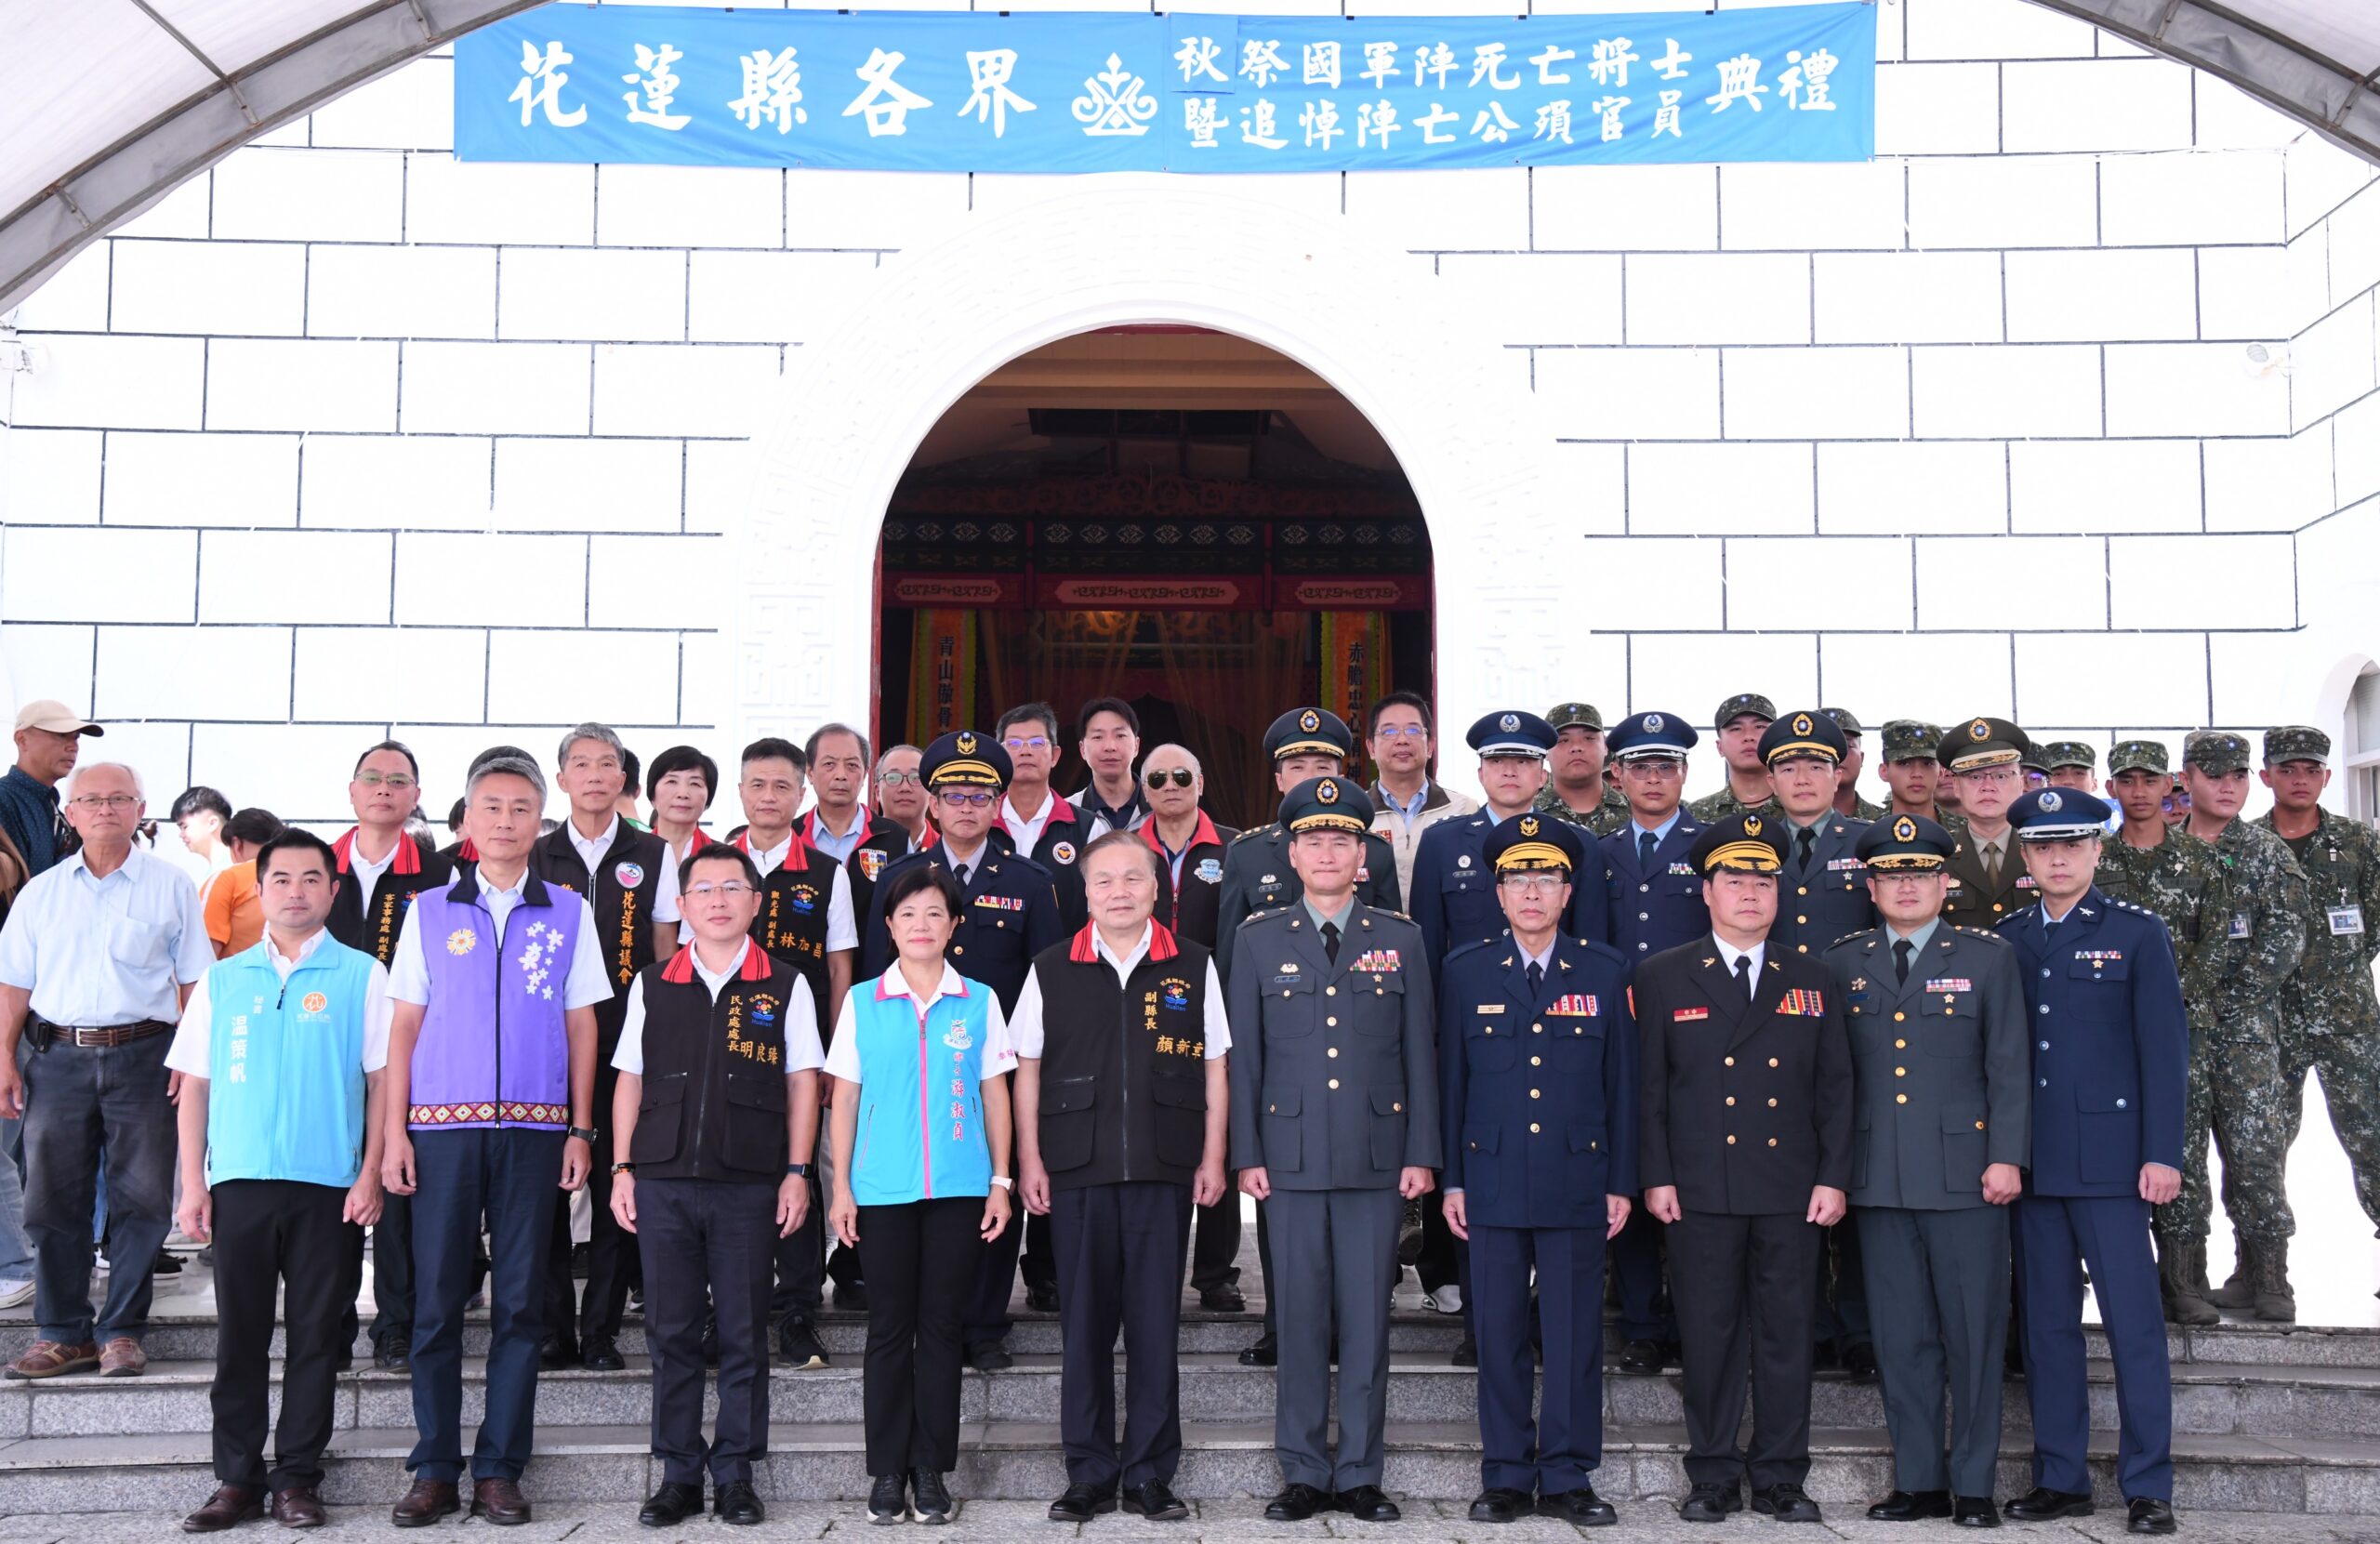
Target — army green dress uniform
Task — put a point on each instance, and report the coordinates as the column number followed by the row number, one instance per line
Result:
column 2330, row 1021
column 1943, row 1074
column 1611, row 809
column 1980, row 897
column 1334, row 1095
column 1711, row 808
column 2240, row 1044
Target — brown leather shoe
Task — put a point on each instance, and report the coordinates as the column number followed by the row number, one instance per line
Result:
column 425, row 1502
column 501, row 1502
column 54, row 1359
column 298, row 1507
column 228, row 1508
column 123, row 1358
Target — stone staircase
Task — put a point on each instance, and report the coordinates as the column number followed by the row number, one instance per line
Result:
column 2267, row 1420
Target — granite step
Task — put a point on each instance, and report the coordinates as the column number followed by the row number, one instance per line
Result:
column 2210, row 1399
column 1222, row 1459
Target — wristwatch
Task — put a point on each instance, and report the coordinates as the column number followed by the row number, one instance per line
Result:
column 1003, row 1182
column 584, row 1133
column 624, row 1166
column 802, row 1169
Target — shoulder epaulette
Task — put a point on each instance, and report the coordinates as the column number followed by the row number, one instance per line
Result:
column 1856, row 932
column 1986, row 932
column 1254, row 831
column 1470, row 948
column 1386, row 911
column 2129, row 906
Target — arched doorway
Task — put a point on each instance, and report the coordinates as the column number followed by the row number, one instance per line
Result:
column 1175, row 517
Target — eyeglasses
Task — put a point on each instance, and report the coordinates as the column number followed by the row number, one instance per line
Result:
column 109, row 802
column 1182, row 777
column 1400, row 732
column 1534, row 884
column 398, row 781
column 898, row 780
column 973, row 801
column 1039, row 742
column 729, row 887
column 1988, row 777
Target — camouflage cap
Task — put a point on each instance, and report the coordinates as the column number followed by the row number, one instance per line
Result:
column 1910, row 740
column 2069, row 753
column 1563, row 716
column 2297, row 743
column 2215, row 750
column 2138, row 756
column 1740, row 703
column 1844, row 719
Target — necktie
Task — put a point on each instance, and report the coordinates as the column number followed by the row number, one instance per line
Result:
column 1901, row 951
column 1743, row 974
column 1803, row 841
column 1536, row 977
column 963, row 872
column 1992, row 866
column 1646, row 842
column 1331, row 941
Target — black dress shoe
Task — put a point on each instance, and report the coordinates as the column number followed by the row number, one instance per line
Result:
column 1860, row 1362
column 555, row 1352
column 394, row 1353
column 1582, row 1507
column 1042, row 1300
column 1501, row 1504
column 2042, row 1504
column 671, row 1505
column 1366, row 1504
column 888, row 1498
column 1909, row 1506
column 1711, row 1503
column 424, row 1502
column 738, row 1503
column 1081, row 1503
column 1975, row 1511
column 991, row 1356
column 1295, row 1502
column 1785, row 1503
column 601, row 1353
column 2149, row 1515
column 228, row 1508
column 930, row 1499
column 1154, row 1500
column 1823, row 1357
column 852, row 1296
column 1466, row 1351
column 1224, row 1300
column 1641, row 1358
column 1266, row 1352
column 500, row 1501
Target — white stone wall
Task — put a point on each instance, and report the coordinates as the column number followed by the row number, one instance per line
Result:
column 345, row 438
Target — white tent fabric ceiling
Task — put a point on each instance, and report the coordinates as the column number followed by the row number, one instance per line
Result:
column 132, row 97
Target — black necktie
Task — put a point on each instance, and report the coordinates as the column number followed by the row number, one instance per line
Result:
column 1743, row 974
column 1646, row 842
column 961, row 872
column 1901, row 951
column 1536, row 977
column 1331, row 941
column 1803, row 841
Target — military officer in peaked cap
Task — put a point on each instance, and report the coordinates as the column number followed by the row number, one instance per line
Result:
column 1334, row 1125
column 1942, row 1073
column 1983, row 757
column 1745, row 1151
column 1847, row 797
column 1537, row 1059
column 2109, row 1067
column 1740, row 723
column 1575, row 789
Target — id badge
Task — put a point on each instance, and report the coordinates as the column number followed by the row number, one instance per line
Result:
column 2346, row 921
column 2240, row 924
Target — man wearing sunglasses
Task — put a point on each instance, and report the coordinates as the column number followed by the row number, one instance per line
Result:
column 903, row 829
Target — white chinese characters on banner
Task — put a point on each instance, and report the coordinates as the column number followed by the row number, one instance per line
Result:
column 539, row 89
column 772, row 90
column 656, row 88
column 991, row 102
column 886, row 103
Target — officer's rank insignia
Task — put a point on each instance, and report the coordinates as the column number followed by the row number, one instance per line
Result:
column 1688, row 1015
column 1804, row 1002
column 1529, row 825
column 871, row 862
column 1858, row 983
column 966, row 742
column 1581, row 1003
column 462, row 940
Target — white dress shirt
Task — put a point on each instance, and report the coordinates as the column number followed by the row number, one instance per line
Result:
column 1025, row 1025
column 98, row 951
column 1027, row 833
column 591, row 853
column 1729, row 953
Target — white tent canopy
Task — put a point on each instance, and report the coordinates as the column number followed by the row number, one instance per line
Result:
column 118, row 101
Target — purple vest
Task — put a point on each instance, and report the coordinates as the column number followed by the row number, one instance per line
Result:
column 494, row 1051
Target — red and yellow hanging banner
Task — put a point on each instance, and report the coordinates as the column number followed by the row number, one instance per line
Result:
column 1355, row 662
column 942, row 674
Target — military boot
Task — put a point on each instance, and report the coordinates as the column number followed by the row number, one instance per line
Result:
column 2274, row 1302
column 2239, row 1293
column 2181, row 1272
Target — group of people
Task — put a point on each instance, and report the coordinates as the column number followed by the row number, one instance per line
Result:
column 1815, row 1082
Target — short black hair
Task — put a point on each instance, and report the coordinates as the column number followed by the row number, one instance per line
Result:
column 809, row 747
column 295, row 838
column 454, row 815
column 769, row 747
column 913, row 877
column 253, row 825
column 1413, row 700
column 400, row 748
column 197, row 801
column 708, row 851
column 1116, row 706
column 1038, row 713
column 630, row 767
column 677, row 759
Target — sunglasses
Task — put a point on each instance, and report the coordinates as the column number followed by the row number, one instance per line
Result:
column 1182, row 777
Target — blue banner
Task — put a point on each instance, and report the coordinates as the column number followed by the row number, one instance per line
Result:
column 1088, row 92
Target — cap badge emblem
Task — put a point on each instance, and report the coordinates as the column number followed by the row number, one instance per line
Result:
column 1327, row 792
column 1978, row 730
column 1652, row 723
column 966, row 742
column 1751, row 825
column 1529, row 825
column 1309, row 720
column 1801, row 723
column 1904, row 829
column 2050, row 802
column 1509, row 723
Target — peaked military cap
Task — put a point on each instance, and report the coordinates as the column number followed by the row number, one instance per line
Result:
column 965, row 758
column 1327, row 803
column 1910, row 740
column 2215, row 750
column 1844, row 719
column 1563, row 716
column 1747, row 842
column 2059, row 814
column 2297, row 743
column 1658, row 735
column 1804, row 734
column 1904, row 844
column 2138, row 756
column 1512, row 732
column 1981, row 743
column 2069, row 753
column 1740, row 703
column 1308, row 731
column 1531, row 841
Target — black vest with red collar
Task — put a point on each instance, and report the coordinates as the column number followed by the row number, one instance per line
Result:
column 1059, row 848
column 792, row 924
column 622, row 890
column 373, row 923
column 1123, row 1064
column 714, row 1104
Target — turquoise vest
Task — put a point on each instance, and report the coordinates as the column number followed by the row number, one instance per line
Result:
column 284, row 1093
column 920, row 1096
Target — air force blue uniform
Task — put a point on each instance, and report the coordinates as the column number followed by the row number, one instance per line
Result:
column 1454, row 892
column 2110, row 1056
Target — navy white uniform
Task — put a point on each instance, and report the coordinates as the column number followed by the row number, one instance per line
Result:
column 1537, row 1071
column 2110, row 1059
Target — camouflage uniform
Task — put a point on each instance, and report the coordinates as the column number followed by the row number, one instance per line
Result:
column 2330, row 1020
column 2069, row 753
column 1862, row 808
column 1712, row 808
column 1603, row 820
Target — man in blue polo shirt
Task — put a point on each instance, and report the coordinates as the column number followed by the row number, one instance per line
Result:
column 280, row 1050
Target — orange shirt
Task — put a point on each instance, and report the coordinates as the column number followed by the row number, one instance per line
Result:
column 234, row 912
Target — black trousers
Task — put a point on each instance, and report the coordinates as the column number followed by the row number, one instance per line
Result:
column 613, row 1262
column 1025, row 1239
column 1841, row 1316
column 922, row 1260
column 1745, row 1290
column 708, row 1246
column 1215, row 1251
column 800, row 1267
column 1118, row 1250
column 392, row 1270
column 269, row 1233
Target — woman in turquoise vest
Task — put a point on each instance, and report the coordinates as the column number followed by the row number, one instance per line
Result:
column 922, row 1183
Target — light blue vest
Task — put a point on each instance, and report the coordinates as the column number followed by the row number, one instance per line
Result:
column 920, row 1097
column 284, row 1093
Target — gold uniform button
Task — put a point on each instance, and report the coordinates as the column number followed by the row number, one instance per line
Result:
column 1536, row 1061
column 1803, row 890
column 1332, row 1052
column 1332, row 1021
column 1772, row 1061
column 1330, row 991
column 1901, row 1099
column 1731, row 1142
column 1803, row 920
column 1491, row 1028
column 1398, row 1108
column 1537, row 1029
column 1772, row 1141
column 1532, row 1129
column 1898, row 1017
column 1978, row 1125
column 1731, row 1100
column 1772, row 1104
column 1804, row 947
column 1334, row 1082
column 1533, row 1093
column 959, row 948
column 1731, row 1061
column 1900, row 1044
column 1900, row 1072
